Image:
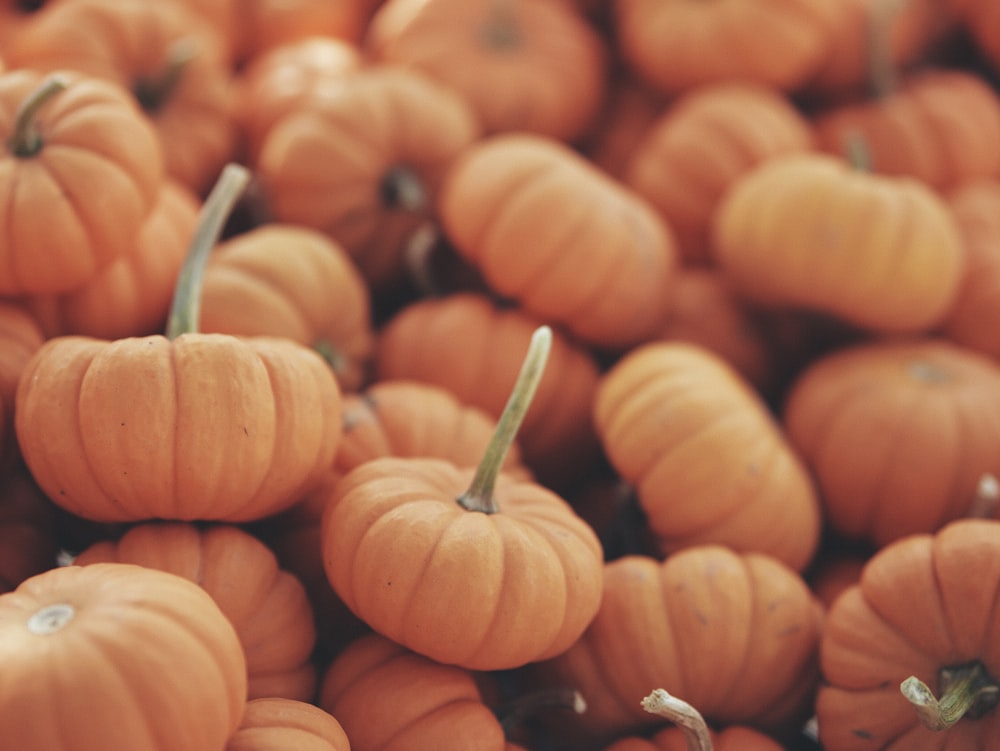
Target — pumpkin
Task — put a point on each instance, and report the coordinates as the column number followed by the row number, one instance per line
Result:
column 468, row 344
column 115, row 656
column 387, row 698
column 253, row 422
column 263, row 25
column 266, row 605
column 20, row 337
column 276, row 723
column 410, row 543
column 675, row 44
column 940, row 126
column 908, row 654
column 364, row 161
column 130, row 296
column 63, row 135
column 521, row 65
column 736, row 635
column 700, row 144
column 164, row 54
column 282, row 79
column 811, row 232
column 708, row 460
column 691, row 733
column 976, row 208
column 15, row 15
column 296, row 283
column 896, row 433
column 28, row 541
column 601, row 263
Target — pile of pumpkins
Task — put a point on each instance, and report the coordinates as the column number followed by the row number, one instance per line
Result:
column 499, row 375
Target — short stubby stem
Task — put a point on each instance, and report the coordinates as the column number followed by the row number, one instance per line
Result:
column 966, row 691
column 51, row 618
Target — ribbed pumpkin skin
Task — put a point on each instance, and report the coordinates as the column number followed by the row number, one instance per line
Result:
column 675, row 44
column 976, row 208
column 483, row 591
column 253, row 424
column 923, row 603
column 941, row 127
column 807, row 231
column 148, row 661
column 94, row 135
column 390, row 699
column 735, row 635
column 329, row 166
column 707, row 459
column 279, row 724
column 735, row 738
column 296, row 283
column 267, row 606
column 601, row 262
column 694, row 150
column 521, row 65
column 897, row 434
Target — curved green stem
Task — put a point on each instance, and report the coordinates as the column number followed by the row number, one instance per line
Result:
column 154, row 91
column 26, row 141
column 967, row 691
column 682, row 714
column 479, row 496
column 185, row 310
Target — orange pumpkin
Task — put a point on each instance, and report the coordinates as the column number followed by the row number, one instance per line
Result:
column 675, row 44
column 131, row 296
column 164, row 54
column 28, row 540
column 363, row 162
column 296, row 283
column 263, row 25
column 600, row 265
column 700, row 144
column 708, row 461
column 117, row 657
column 976, row 208
column 471, row 346
column 736, row 635
column 410, row 543
column 266, row 605
column 810, row 232
column 920, row 625
column 526, row 66
column 896, row 433
column 63, row 136
column 21, row 335
column 279, row 724
column 253, row 422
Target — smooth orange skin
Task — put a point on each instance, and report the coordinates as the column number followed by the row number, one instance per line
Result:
column 148, row 661
column 204, row 427
column 267, row 606
column 389, row 699
column 280, row 724
column 95, row 134
column 923, row 603
column 709, row 462
column 478, row 590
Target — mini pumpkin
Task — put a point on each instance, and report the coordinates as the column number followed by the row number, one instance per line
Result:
column 63, row 135
column 253, row 422
column 410, row 543
column 601, row 263
column 117, row 657
column 278, row 724
column 908, row 654
column 21, row 335
column 811, row 232
column 897, row 434
column 267, row 606
column 708, row 460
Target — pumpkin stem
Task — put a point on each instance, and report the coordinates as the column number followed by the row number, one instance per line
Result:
column 882, row 76
column 154, row 91
column 25, row 141
column 479, row 496
column 679, row 712
column 402, row 189
column 185, row 310
column 987, row 498
column 966, row 691
column 528, row 705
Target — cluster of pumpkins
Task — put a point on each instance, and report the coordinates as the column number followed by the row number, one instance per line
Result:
column 499, row 375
